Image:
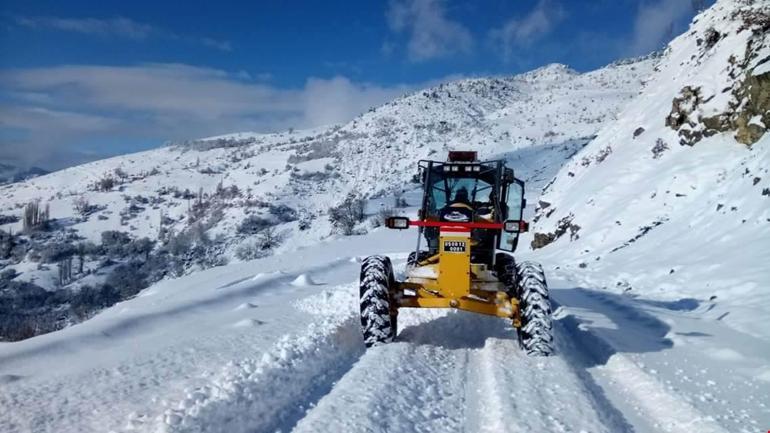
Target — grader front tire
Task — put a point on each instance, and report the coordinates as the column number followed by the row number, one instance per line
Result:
column 378, row 321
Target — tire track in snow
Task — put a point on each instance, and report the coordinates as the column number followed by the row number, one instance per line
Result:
column 658, row 407
column 527, row 394
column 408, row 385
column 456, row 371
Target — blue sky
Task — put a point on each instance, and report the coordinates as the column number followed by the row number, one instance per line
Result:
column 85, row 79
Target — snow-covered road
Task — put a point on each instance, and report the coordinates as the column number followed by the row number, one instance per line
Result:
column 242, row 349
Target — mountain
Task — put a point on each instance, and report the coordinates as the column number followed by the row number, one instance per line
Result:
column 673, row 198
column 198, row 193
column 10, row 173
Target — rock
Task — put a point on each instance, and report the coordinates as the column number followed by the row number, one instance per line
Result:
column 756, row 90
column 542, row 239
column 562, row 227
column 681, row 109
column 711, row 37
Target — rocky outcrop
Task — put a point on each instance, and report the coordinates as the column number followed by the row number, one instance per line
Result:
column 747, row 113
column 562, row 227
column 752, row 121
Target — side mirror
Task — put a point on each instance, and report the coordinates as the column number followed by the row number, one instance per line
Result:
column 398, row 223
column 512, row 226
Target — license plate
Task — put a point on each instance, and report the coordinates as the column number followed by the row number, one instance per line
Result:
column 454, row 246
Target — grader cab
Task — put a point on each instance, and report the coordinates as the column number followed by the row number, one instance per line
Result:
column 470, row 220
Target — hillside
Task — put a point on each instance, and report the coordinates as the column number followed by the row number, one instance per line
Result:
column 138, row 218
column 673, row 199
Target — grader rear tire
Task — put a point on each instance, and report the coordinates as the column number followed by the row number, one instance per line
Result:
column 536, row 331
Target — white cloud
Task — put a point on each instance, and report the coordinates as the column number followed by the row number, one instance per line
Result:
column 431, row 33
column 654, row 23
column 338, row 99
column 48, row 109
column 117, row 27
column 522, row 32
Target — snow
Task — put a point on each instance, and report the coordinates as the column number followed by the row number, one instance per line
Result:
column 757, row 120
column 660, row 301
column 303, row 281
column 267, row 355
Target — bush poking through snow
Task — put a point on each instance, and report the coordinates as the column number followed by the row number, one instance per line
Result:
column 105, row 184
column 283, row 213
column 382, row 216
column 659, row 148
column 127, row 279
column 56, row 252
column 250, row 250
column 8, row 219
column 83, row 207
column 347, row 214
column 253, row 225
column 603, row 154
column 269, row 238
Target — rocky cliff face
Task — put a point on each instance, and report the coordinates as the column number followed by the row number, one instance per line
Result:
column 742, row 104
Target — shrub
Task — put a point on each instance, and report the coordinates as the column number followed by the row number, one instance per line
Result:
column 111, row 238
column 250, row 250
column 83, row 207
column 305, row 221
column 347, row 214
column 8, row 219
column 283, row 213
column 57, row 252
column 7, row 244
column 8, row 274
column 127, row 279
column 140, row 247
column 105, row 184
column 253, row 225
column 269, row 238
column 384, row 213
column 89, row 298
column 659, row 148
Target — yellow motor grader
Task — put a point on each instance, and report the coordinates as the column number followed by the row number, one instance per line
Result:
column 470, row 220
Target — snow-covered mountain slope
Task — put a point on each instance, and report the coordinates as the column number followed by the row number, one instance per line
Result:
column 204, row 189
column 673, row 199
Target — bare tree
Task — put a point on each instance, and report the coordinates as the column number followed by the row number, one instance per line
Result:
column 65, row 271
column 34, row 218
